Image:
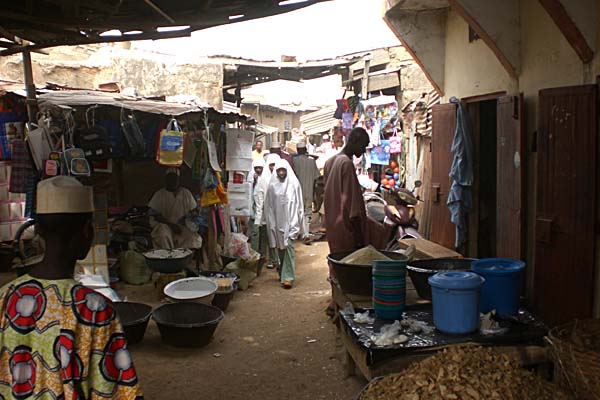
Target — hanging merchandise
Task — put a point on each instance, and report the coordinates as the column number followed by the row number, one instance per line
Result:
column 380, row 155
column 200, row 159
column 133, row 135
column 93, row 139
column 170, row 144
column 189, row 151
column 395, row 143
column 75, row 162
column 342, row 107
column 212, row 156
column 22, row 167
column 240, row 199
column 39, row 146
column 239, row 150
column 221, row 192
column 347, row 120
column 379, row 116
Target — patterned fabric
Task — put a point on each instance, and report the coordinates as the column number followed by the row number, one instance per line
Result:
column 22, row 167
column 61, row 340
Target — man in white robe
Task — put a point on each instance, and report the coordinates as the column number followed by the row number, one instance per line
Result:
column 168, row 210
column 284, row 213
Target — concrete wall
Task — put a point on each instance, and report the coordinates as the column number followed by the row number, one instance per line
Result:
column 149, row 74
column 471, row 68
column 276, row 119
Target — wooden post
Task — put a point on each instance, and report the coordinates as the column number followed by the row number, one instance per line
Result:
column 364, row 91
column 32, row 107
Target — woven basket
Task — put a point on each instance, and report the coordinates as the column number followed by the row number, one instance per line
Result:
column 576, row 351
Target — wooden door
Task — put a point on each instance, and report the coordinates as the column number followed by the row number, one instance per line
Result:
column 566, row 203
column 443, row 127
column 510, row 177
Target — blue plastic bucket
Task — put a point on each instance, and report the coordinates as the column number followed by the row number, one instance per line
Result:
column 455, row 298
column 502, row 285
column 389, row 289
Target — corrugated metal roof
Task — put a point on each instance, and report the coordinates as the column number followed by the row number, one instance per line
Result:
column 319, row 121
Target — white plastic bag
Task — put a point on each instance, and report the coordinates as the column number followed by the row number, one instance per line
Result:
column 237, row 246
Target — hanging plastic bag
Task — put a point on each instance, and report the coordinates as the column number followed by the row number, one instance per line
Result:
column 347, row 120
column 170, row 145
column 380, row 155
column 395, row 143
column 209, row 197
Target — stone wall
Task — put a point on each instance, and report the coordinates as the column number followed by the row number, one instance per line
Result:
column 148, row 74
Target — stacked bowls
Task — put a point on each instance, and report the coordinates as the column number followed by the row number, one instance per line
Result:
column 389, row 288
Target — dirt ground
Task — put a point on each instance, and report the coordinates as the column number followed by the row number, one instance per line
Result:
column 264, row 348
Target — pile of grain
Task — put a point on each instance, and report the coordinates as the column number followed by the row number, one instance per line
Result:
column 364, row 256
column 466, row 373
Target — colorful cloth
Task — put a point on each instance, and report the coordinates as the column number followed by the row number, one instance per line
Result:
column 22, row 167
column 59, row 339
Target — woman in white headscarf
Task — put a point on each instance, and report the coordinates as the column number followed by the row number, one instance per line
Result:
column 284, row 214
column 260, row 191
column 258, row 232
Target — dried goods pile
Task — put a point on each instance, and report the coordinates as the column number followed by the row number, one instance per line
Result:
column 364, row 256
column 466, row 373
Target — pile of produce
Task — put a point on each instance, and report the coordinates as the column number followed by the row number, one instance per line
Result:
column 466, row 373
column 364, row 256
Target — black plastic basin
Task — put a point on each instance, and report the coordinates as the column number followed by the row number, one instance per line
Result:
column 420, row 271
column 134, row 318
column 356, row 279
column 187, row 324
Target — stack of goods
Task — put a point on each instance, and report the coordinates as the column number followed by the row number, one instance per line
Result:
column 389, row 288
column 465, row 373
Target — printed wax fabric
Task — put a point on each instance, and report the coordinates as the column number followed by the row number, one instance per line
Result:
column 61, row 340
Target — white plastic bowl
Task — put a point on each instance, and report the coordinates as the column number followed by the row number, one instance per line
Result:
column 198, row 289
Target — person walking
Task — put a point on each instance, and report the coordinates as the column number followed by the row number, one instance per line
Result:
column 284, row 212
column 258, row 236
column 307, row 171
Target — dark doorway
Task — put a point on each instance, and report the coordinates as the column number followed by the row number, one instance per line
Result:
column 486, row 245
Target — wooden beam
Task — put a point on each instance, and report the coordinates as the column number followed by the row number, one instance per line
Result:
column 99, row 39
column 32, row 107
column 457, row 6
column 568, row 28
column 160, row 11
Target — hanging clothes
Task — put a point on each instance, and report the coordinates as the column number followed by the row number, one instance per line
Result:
column 460, row 200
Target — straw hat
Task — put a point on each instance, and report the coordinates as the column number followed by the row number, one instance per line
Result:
column 64, row 195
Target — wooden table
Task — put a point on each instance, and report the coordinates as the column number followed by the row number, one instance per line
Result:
column 371, row 365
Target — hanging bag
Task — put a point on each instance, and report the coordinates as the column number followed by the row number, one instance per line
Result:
column 342, row 107
column 170, row 145
column 395, row 143
column 133, row 135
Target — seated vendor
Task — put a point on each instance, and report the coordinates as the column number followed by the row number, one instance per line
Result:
column 169, row 209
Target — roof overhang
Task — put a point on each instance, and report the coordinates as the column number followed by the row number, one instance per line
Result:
column 36, row 24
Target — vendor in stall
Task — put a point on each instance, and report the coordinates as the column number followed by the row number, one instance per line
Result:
column 170, row 207
column 58, row 339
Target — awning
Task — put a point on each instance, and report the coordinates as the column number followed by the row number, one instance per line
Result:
column 319, row 121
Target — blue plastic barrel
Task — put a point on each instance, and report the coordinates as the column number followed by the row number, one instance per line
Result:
column 502, row 284
column 455, row 298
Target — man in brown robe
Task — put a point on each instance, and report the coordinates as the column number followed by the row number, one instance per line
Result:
column 348, row 227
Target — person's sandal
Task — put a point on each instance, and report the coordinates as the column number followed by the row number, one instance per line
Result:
column 287, row 285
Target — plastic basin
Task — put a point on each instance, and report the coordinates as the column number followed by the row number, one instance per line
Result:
column 222, row 299
column 187, row 324
column 197, row 289
column 456, row 301
column 421, row 270
column 134, row 318
column 356, row 279
column 502, row 287
column 166, row 265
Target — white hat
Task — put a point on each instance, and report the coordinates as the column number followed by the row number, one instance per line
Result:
column 325, row 137
column 64, row 195
column 173, row 170
column 301, row 145
column 275, row 145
